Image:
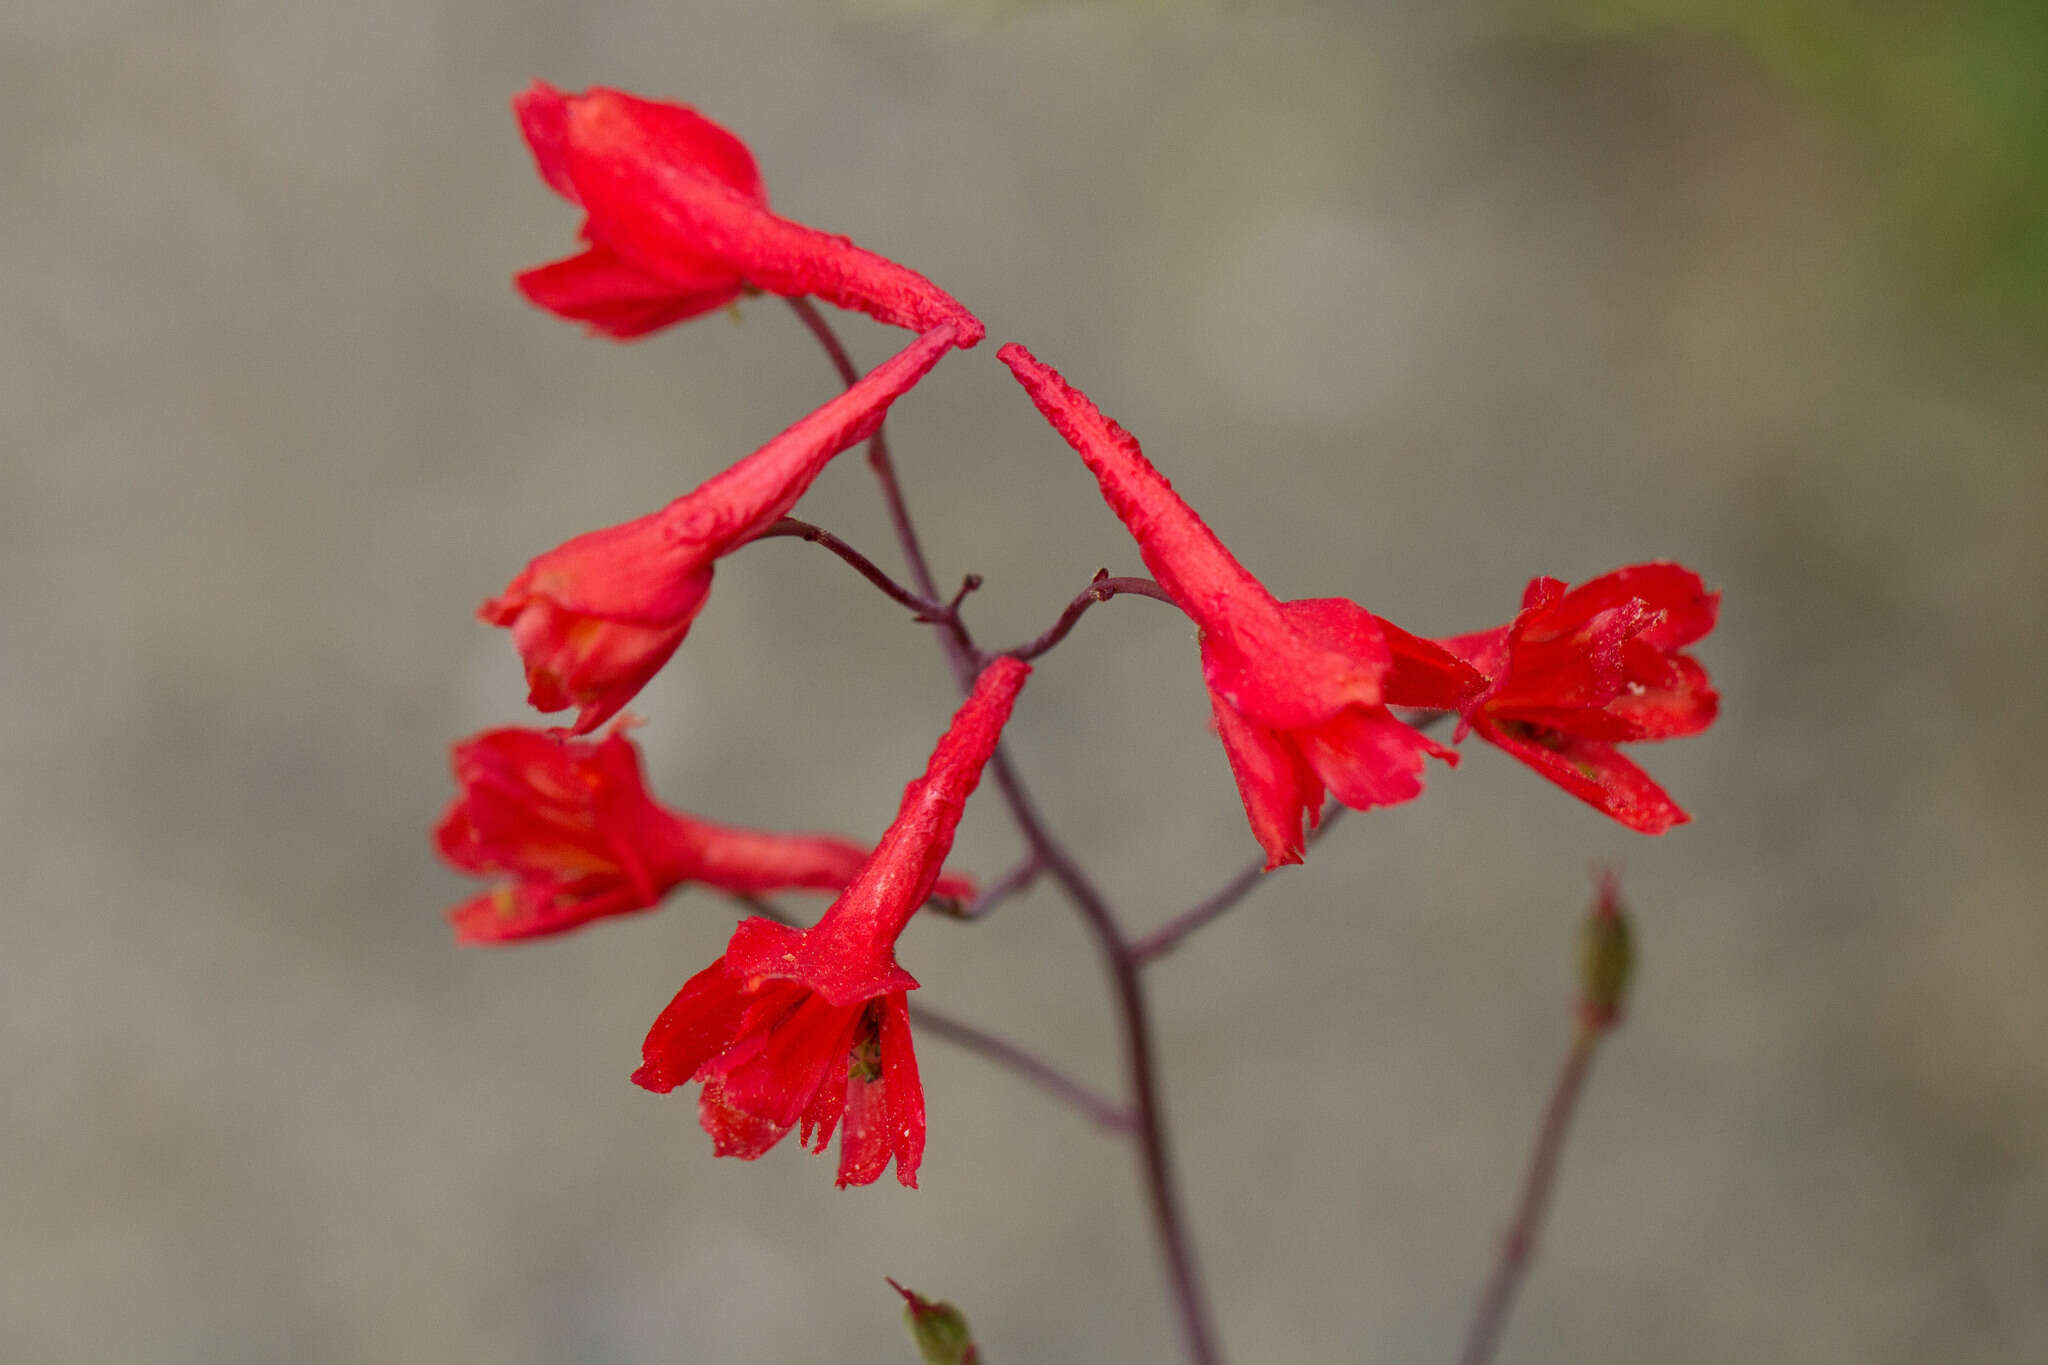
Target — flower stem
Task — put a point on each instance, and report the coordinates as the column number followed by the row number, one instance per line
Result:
column 1014, row 882
column 1098, row 1108
column 1169, row 935
column 878, row 450
column 1162, row 1193
column 1100, row 590
column 1518, row 1246
column 925, row 608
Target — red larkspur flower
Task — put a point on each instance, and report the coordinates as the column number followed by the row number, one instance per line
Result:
column 1581, row 670
column 1298, row 688
column 595, row 618
column 571, row 824
column 810, row 1027
column 678, row 224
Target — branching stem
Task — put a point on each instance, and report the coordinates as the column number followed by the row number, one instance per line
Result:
column 1161, row 1189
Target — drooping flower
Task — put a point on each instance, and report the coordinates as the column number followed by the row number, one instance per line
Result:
column 1297, row 688
column 572, row 827
column 1581, row 670
column 678, row 224
column 597, row 617
column 810, row 1027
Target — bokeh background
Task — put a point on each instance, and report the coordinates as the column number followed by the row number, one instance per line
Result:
column 1414, row 300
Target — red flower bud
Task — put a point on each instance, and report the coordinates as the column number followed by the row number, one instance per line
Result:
column 595, row 618
column 679, row 225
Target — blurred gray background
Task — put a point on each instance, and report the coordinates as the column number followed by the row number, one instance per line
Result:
column 1413, row 301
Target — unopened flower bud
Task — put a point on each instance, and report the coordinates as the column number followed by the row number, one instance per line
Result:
column 1607, row 957
column 939, row 1329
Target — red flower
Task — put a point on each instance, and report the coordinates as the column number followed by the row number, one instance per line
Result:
column 810, row 1026
column 595, row 618
column 570, row 822
column 1298, row 688
column 679, row 225
column 1580, row 671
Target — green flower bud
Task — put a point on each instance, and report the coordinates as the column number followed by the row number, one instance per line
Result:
column 1607, row 958
column 939, row 1329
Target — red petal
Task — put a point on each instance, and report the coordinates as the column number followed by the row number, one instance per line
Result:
column 620, row 300
column 1686, row 705
column 1485, row 650
column 1676, row 592
column 1597, row 774
column 635, row 572
column 821, row 1116
column 864, row 1148
column 589, row 661
column 1286, row 681
column 1427, row 675
column 734, row 1131
column 760, row 947
column 537, row 909
column 1367, row 758
column 905, row 1089
column 801, row 1052
column 1277, row 787
column 672, row 137
column 697, row 1025
column 543, row 114
column 1557, row 658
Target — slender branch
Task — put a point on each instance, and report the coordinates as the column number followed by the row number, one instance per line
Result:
column 926, row 609
column 1099, row 1109
column 1168, row 936
column 1011, row 883
column 878, row 450
column 1100, row 589
column 1518, row 1246
column 1169, row 1223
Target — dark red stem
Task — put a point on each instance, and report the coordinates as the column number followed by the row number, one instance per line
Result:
column 1100, row 590
column 925, row 608
column 1168, row 936
column 1101, row 1110
column 1011, row 883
